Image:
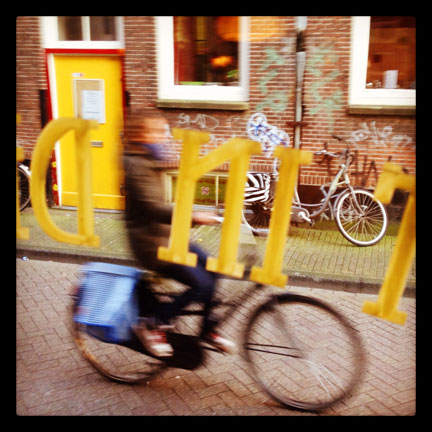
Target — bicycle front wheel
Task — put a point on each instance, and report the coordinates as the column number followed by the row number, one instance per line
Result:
column 360, row 217
column 303, row 353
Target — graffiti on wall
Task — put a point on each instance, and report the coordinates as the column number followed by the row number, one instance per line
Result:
column 363, row 174
column 276, row 100
column 200, row 121
column 370, row 135
column 209, row 123
column 367, row 138
column 323, row 65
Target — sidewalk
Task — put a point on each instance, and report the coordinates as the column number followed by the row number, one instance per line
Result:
column 314, row 257
column 53, row 379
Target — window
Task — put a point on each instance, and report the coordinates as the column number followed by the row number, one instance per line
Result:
column 210, row 189
column 69, row 28
column 103, row 32
column 203, row 59
column 392, row 54
column 383, row 64
column 206, row 50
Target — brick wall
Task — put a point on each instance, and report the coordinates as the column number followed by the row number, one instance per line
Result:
column 140, row 60
column 272, row 91
column 30, row 80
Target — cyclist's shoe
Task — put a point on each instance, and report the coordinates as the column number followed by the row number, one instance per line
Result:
column 154, row 338
column 222, row 344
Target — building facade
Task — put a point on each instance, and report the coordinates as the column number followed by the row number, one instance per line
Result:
column 213, row 74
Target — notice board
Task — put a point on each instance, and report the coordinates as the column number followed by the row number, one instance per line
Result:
column 90, row 99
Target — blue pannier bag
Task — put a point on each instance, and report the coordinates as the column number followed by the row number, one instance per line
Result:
column 107, row 301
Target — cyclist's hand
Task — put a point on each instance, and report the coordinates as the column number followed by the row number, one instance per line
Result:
column 205, row 218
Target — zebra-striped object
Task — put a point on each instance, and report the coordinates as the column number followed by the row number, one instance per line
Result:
column 257, row 187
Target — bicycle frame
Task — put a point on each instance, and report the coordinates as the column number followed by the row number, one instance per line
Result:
column 342, row 173
column 336, row 182
column 258, row 127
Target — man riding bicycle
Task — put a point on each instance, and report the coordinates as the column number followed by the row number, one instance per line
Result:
column 148, row 223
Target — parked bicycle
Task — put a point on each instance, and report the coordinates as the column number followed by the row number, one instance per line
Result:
column 289, row 340
column 24, row 185
column 360, row 217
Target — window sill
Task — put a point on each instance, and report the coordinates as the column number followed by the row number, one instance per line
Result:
column 193, row 104
column 382, row 110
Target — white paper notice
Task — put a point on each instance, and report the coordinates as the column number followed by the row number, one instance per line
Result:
column 93, row 105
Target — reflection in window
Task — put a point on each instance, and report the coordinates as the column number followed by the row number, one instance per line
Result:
column 102, row 28
column 206, row 50
column 392, row 53
column 95, row 28
column 69, row 28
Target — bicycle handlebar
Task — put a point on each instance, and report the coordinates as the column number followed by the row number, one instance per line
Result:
column 345, row 153
column 325, row 152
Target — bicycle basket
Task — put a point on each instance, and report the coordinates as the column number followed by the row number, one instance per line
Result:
column 107, row 301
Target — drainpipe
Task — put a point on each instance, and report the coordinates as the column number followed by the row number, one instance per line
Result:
column 301, row 23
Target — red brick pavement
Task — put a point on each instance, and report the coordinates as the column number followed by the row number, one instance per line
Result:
column 53, row 379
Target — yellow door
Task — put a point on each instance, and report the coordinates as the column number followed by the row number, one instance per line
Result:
column 90, row 87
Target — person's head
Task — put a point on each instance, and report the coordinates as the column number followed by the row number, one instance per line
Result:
column 146, row 127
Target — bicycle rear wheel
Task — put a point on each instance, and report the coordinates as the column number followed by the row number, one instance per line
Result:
column 303, row 353
column 257, row 217
column 129, row 363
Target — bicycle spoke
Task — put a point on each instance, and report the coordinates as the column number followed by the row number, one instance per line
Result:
column 321, row 371
column 360, row 218
column 249, row 346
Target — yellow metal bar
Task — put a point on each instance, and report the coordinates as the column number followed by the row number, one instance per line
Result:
column 227, row 263
column 177, row 250
column 52, row 132
column 191, row 168
column 397, row 272
column 271, row 273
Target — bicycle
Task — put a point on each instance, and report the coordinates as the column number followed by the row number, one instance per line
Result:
column 303, row 353
column 360, row 217
column 24, row 185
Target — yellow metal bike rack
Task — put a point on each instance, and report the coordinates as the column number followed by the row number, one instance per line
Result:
column 39, row 165
column 192, row 167
column 393, row 287
column 238, row 151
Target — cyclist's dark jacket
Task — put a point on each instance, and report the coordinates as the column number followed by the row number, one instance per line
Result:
column 148, row 219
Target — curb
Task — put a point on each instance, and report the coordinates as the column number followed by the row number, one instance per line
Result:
column 300, row 280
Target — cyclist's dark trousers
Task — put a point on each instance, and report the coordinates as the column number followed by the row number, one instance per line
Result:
column 202, row 285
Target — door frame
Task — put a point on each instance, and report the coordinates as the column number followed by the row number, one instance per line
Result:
column 52, row 99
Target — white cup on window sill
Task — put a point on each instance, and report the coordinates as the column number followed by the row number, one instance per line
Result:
column 390, row 79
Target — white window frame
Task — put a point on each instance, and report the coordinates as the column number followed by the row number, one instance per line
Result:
column 359, row 95
column 50, row 37
column 167, row 90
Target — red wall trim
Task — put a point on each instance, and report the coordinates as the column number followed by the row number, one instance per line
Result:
column 91, row 51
